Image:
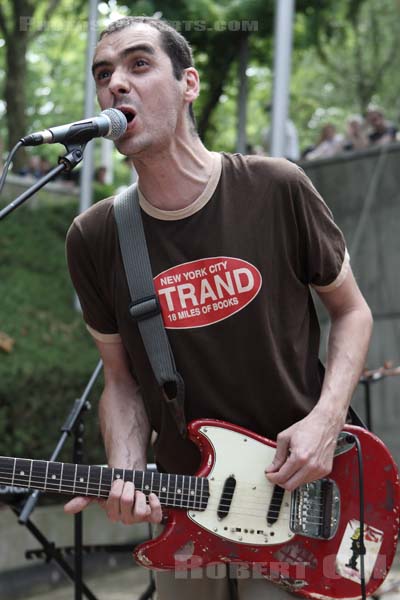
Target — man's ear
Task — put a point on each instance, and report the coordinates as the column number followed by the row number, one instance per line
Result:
column 192, row 84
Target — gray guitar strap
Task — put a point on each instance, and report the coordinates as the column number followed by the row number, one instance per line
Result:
column 144, row 307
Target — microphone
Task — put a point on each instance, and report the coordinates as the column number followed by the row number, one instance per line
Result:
column 111, row 124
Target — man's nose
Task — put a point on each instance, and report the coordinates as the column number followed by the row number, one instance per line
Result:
column 119, row 82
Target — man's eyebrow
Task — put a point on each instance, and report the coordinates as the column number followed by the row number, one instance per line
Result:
column 147, row 48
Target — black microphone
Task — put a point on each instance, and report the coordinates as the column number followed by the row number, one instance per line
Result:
column 111, row 124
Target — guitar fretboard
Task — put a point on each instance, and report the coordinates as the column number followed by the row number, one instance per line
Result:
column 175, row 491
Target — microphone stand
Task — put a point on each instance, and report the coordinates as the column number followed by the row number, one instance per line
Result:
column 369, row 377
column 65, row 163
column 73, row 424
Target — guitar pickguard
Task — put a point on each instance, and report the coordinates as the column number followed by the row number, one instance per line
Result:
column 243, row 458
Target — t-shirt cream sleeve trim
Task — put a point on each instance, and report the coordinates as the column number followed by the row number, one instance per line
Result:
column 106, row 338
column 339, row 279
column 194, row 207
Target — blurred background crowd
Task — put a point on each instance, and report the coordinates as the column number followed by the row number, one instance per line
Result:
column 358, row 133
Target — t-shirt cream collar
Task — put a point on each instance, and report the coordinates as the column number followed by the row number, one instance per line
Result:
column 183, row 213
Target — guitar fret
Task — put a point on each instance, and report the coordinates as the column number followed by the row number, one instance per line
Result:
column 13, row 474
column 74, row 484
column 21, row 470
column 195, row 493
column 174, row 488
column 165, row 488
column 201, row 493
column 181, row 487
column 93, row 475
column 30, row 474
column 7, row 470
column 185, row 494
column 190, row 499
column 37, row 474
column 54, row 470
column 81, row 476
column 88, row 480
column 107, row 480
column 190, row 493
column 45, row 477
column 61, row 476
column 118, row 474
column 147, row 485
column 135, row 478
column 101, row 478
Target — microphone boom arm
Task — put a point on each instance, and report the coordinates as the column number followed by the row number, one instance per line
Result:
column 65, row 163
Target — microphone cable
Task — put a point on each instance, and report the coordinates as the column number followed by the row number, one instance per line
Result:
column 7, row 164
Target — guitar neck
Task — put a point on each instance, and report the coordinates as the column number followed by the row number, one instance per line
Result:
column 174, row 491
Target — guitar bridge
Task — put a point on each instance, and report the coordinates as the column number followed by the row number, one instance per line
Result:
column 315, row 509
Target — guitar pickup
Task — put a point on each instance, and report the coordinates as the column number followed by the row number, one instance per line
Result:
column 275, row 505
column 226, row 497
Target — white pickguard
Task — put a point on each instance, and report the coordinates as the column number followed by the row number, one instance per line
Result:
column 245, row 459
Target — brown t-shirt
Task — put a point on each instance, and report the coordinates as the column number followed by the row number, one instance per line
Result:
column 233, row 278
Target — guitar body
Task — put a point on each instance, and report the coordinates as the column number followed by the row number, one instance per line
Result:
column 280, row 536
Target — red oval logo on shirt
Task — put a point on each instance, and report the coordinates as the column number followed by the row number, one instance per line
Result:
column 205, row 291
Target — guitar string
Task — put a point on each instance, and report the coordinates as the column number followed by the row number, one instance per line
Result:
column 282, row 517
column 168, row 501
column 189, row 493
column 94, row 483
column 138, row 474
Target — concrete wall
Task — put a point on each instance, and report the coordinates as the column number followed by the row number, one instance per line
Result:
column 363, row 191
column 59, row 528
column 55, row 191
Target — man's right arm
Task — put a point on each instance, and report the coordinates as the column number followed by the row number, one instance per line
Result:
column 123, row 419
column 126, row 431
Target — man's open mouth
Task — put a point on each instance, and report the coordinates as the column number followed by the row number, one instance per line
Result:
column 129, row 113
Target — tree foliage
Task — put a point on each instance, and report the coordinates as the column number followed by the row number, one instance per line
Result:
column 17, row 25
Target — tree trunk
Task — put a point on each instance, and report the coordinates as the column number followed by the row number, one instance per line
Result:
column 15, row 93
column 217, row 79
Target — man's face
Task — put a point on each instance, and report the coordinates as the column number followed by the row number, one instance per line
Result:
column 134, row 74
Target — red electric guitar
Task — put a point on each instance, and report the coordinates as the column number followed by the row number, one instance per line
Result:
column 307, row 540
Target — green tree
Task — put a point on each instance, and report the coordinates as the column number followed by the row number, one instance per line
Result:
column 359, row 45
column 22, row 23
column 15, row 25
column 343, row 61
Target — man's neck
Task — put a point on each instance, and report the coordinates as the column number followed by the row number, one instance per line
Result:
column 173, row 179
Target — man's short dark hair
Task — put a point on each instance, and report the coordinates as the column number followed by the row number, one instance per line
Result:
column 172, row 42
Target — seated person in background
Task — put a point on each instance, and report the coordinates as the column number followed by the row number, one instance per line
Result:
column 356, row 138
column 329, row 143
column 380, row 131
